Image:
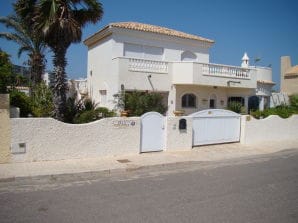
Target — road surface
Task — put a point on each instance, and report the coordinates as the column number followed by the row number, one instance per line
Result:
column 252, row 189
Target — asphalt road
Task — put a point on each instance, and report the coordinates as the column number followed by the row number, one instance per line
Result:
column 254, row 189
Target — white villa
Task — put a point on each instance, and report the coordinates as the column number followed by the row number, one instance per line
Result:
column 133, row 56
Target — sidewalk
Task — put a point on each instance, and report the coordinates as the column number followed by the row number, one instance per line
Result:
column 130, row 162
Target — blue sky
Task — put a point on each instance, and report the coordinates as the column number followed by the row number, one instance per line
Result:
column 263, row 28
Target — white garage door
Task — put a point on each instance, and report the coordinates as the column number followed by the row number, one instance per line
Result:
column 215, row 126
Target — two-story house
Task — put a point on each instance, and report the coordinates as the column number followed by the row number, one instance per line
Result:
column 134, row 56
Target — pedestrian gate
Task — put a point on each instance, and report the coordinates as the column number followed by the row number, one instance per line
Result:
column 152, row 132
column 215, row 126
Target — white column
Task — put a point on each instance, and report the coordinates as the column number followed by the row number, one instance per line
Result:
column 261, row 105
column 172, row 101
column 246, row 104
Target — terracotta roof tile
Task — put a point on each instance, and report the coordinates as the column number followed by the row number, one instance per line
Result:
column 158, row 29
column 145, row 28
column 292, row 71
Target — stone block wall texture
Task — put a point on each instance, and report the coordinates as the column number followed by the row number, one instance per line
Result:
column 270, row 129
column 5, row 129
column 49, row 139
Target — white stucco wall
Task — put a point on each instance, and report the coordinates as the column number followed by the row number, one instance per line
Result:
column 135, row 80
column 178, row 139
column 263, row 73
column 173, row 46
column 103, row 75
column 48, row 139
column 270, row 129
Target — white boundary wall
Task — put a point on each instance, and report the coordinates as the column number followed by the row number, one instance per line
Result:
column 270, row 129
column 48, row 139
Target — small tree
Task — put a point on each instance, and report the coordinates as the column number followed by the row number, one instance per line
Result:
column 42, row 101
column 5, row 72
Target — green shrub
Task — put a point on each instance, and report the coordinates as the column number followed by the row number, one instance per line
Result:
column 22, row 101
column 294, row 101
column 105, row 112
column 87, row 116
column 235, row 106
column 93, row 115
column 282, row 111
column 138, row 103
column 42, row 101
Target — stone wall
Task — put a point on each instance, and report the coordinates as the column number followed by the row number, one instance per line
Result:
column 4, row 129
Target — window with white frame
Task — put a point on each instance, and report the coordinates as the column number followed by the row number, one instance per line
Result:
column 189, row 101
column 143, row 52
column 103, row 96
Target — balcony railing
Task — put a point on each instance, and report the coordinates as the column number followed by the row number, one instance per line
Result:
column 150, row 66
column 225, row 71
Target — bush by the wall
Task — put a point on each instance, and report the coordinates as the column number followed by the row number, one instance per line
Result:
column 42, row 101
column 282, row 111
column 235, row 106
column 138, row 103
column 93, row 115
column 22, row 101
column 294, row 101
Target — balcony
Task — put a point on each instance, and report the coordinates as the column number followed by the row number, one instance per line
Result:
column 225, row 71
column 212, row 75
column 135, row 72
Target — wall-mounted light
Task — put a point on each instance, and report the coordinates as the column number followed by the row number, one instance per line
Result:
column 234, row 82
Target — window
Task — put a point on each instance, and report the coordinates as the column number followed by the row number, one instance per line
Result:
column 189, row 101
column 103, row 96
column 188, row 56
column 143, row 52
column 236, row 99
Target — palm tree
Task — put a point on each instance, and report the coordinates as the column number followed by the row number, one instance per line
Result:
column 30, row 42
column 61, row 22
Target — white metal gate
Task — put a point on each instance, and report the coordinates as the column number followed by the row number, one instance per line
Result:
column 215, row 126
column 152, row 132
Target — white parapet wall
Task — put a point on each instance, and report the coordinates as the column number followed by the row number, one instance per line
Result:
column 270, row 129
column 36, row 139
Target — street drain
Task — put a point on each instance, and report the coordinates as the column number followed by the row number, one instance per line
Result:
column 124, row 161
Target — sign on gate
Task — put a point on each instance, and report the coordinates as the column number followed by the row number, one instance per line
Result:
column 214, row 126
column 152, row 132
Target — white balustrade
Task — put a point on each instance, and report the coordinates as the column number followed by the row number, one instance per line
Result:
column 225, row 71
column 151, row 66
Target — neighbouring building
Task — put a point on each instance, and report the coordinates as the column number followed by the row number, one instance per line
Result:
column 288, row 76
column 134, row 56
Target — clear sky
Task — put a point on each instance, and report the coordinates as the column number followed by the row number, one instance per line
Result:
column 267, row 29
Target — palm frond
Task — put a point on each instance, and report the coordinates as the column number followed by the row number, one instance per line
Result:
column 90, row 11
column 24, row 49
